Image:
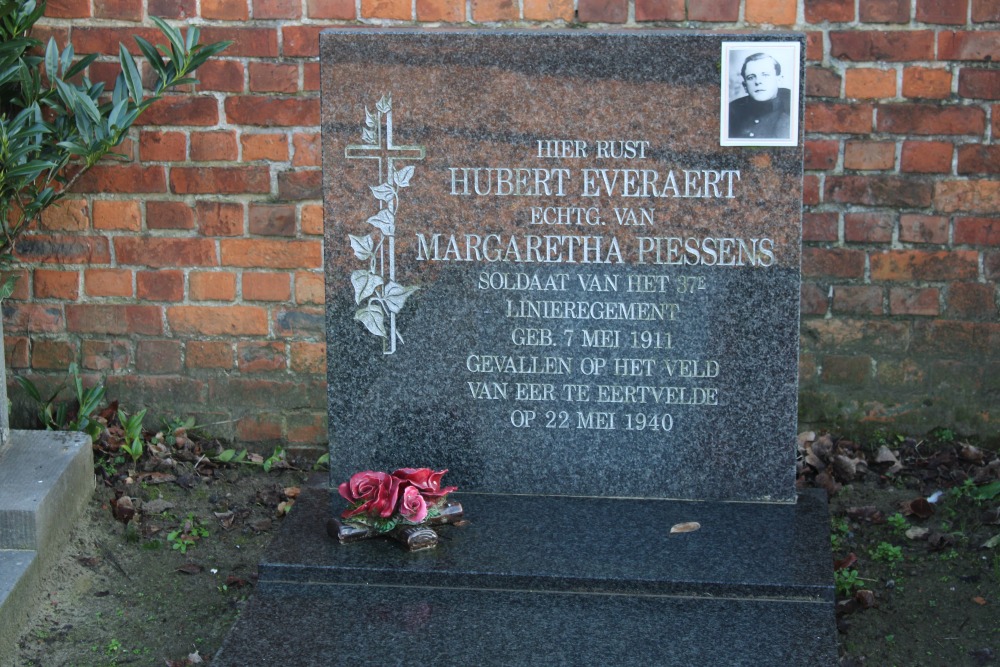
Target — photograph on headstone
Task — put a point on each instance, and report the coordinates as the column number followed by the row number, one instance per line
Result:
column 760, row 94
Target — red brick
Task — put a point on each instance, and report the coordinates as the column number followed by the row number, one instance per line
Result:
column 977, row 231
column 822, row 82
column 811, row 192
column 308, row 150
column 930, row 119
column 971, row 301
column 715, row 11
column 272, row 219
column 839, row 118
column 878, row 191
column 924, row 265
column 254, row 357
column 312, row 219
column 212, row 286
column 884, row 11
column 32, row 318
column 882, row 45
column 337, row 9
column 309, row 288
column 159, row 285
column 869, row 155
column 264, row 146
column 123, row 215
column 991, row 265
column 980, row 45
column 833, row 262
column 819, row 227
column 277, row 9
column 310, row 77
column 914, row 301
column 926, row 82
column 309, row 358
column 972, row 196
column 846, row 370
column 169, row 215
column 124, row 10
column 103, row 355
column 300, row 184
column 107, row 282
column 307, row 428
column 230, row 320
column 114, row 319
column 982, row 84
column 68, row 215
column 155, row 146
column 917, row 228
column 67, row 9
column 225, row 10
column 813, row 300
column 926, row 157
column 272, row 111
column 218, row 219
column 390, row 9
column 869, row 83
column 985, row 11
column 60, row 249
column 266, row 287
column 301, row 41
column 770, row 12
column 198, row 110
column 220, row 180
column 172, row 9
column 22, row 284
column 161, row 252
column 214, row 146
column 108, row 179
column 857, row 299
column 299, row 322
column 834, row 11
column 221, row 75
column 995, row 125
column 645, row 10
column 868, row 227
column 246, row 42
column 821, row 155
column 274, row 77
column 259, row 428
column 51, row 284
column 814, row 46
column 158, row 356
column 272, row 254
column 15, row 351
column 942, row 11
column 979, row 159
column 209, row 354
column 106, row 73
column 52, row 354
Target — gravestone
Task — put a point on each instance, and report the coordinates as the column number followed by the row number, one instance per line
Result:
column 546, row 274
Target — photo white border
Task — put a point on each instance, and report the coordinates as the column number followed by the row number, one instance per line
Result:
column 788, row 55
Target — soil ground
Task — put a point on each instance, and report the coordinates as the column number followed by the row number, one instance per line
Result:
column 917, row 586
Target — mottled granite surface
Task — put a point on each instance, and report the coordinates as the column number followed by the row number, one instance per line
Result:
column 480, row 376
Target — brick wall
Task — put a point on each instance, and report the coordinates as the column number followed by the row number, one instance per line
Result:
column 190, row 275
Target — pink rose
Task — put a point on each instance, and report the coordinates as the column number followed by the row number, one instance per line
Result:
column 426, row 480
column 413, row 507
column 376, row 491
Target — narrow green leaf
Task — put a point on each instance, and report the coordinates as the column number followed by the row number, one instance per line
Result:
column 52, row 60
column 131, row 72
column 67, row 58
column 172, row 34
column 80, row 65
column 151, row 54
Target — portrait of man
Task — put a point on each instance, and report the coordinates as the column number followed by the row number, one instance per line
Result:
column 760, row 96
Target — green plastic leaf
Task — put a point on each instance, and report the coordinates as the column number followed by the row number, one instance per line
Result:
column 226, row 455
column 394, row 295
column 385, row 221
column 373, row 318
column 365, row 283
column 363, row 246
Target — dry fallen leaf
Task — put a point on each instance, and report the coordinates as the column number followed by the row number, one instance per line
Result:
column 686, row 527
column 292, row 492
column 980, row 600
column 189, row 568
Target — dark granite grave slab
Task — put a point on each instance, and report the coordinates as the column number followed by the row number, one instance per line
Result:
column 552, row 581
column 683, row 327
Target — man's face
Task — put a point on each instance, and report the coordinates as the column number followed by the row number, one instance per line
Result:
column 760, row 79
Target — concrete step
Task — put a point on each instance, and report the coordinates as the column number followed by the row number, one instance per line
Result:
column 46, row 479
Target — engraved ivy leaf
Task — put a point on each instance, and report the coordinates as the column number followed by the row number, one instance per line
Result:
column 369, row 118
column 365, row 283
column 383, row 192
column 373, row 318
column 402, row 176
column 395, row 295
column 363, row 246
column 384, row 104
column 385, row 220
column 368, row 136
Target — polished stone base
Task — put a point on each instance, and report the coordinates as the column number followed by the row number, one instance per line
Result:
column 543, row 580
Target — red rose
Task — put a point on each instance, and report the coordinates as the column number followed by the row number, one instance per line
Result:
column 413, row 507
column 376, row 491
column 426, row 480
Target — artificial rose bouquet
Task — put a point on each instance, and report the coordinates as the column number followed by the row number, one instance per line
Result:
column 381, row 501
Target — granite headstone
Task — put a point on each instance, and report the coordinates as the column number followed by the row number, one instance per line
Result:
column 547, row 274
